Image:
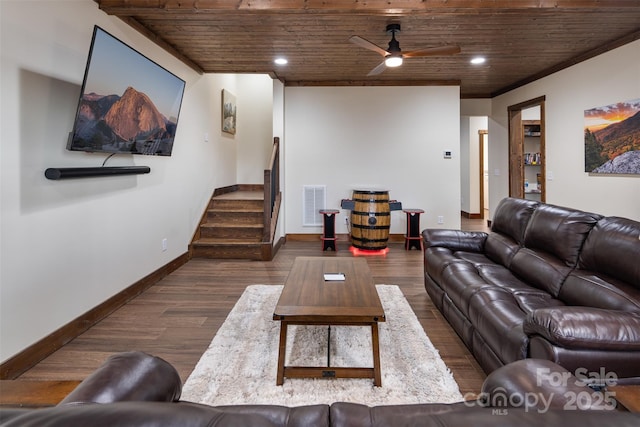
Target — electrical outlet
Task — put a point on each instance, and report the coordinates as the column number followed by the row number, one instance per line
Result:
column 440, row 219
column 164, row 244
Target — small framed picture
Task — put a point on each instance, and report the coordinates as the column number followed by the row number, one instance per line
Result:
column 228, row 112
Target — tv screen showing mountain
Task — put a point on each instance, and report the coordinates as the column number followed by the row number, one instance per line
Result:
column 128, row 103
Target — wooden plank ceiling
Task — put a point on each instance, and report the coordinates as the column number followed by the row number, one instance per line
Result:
column 522, row 40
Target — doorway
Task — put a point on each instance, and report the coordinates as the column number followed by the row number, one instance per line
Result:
column 521, row 165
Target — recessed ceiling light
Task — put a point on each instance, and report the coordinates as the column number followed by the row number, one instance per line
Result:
column 478, row 60
column 281, row 61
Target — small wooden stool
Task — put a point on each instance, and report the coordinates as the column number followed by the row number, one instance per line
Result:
column 413, row 237
column 329, row 234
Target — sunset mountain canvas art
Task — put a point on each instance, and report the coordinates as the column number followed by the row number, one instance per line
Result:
column 612, row 138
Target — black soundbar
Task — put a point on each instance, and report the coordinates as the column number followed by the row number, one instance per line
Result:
column 65, row 173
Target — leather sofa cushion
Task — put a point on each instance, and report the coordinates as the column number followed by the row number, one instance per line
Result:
column 501, row 248
column 559, row 231
column 531, row 301
column 553, row 239
column 178, row 414
column 589, row 289
column 461, row 282
column 437, row 259
column 508, row 227
column 477, row 259
column 540, row 269
column 611, row 248
column 497, row 314
column 354, row 415
column 344, row 414
column 501, row 277
column 512, row 216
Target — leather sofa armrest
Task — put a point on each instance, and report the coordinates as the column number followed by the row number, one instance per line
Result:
column 540, row 385
column 455, row 240
column 585, row 327
column 129, row 376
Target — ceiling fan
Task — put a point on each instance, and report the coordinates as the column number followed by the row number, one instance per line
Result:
column 393, row 56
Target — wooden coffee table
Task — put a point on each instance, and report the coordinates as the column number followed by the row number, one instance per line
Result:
column 307, row 299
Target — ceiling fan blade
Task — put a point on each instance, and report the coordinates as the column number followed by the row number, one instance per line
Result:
column 378, row 70
column 368, row 45
column 433, row 51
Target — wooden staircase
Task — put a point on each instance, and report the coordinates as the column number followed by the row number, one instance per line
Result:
column 233, row 226
column 240, row 221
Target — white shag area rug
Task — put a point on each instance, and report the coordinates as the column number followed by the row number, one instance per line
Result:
column 240, row 365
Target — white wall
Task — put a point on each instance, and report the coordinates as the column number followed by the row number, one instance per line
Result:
column 608, row 78
column 278, row 130
column 254, row 127
column 66, row 246
column 475, row 107
column 470, row 162
column 465, row 164
column 392, row 138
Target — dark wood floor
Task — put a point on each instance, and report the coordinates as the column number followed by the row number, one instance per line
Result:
column 177, row 318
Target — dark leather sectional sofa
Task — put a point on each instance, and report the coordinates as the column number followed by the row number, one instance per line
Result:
column 135, row 389
column 547, row 282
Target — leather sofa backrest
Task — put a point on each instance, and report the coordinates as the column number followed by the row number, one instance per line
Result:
column 175, row 414
column 350, row 415
column 611, row 248
column 507, row 229
column 608, row 271
column 552, row 242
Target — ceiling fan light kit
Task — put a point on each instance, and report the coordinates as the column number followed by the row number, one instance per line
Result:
column 393, row 56
column 393, row 61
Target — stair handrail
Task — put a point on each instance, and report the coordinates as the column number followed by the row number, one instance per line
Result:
column 272, row 192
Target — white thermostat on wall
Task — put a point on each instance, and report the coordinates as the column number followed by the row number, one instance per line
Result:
column 447, row 154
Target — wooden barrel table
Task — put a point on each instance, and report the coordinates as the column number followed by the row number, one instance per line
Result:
column 370, row 219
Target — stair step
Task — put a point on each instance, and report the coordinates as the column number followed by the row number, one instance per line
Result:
column 246, row 209
column 227, row 249
column 207, row 241
column 231, row 231
column 236, row 204
column 234, row 226
column 235, row 217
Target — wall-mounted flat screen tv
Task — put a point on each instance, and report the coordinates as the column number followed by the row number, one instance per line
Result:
column 128, row 103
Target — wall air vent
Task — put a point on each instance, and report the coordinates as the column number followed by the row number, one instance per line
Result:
column 313, row 199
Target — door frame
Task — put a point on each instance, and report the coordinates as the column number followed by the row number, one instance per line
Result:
column 482, row 135
column 516, row 144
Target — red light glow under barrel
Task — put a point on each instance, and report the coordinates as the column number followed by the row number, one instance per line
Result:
column 368, row 252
